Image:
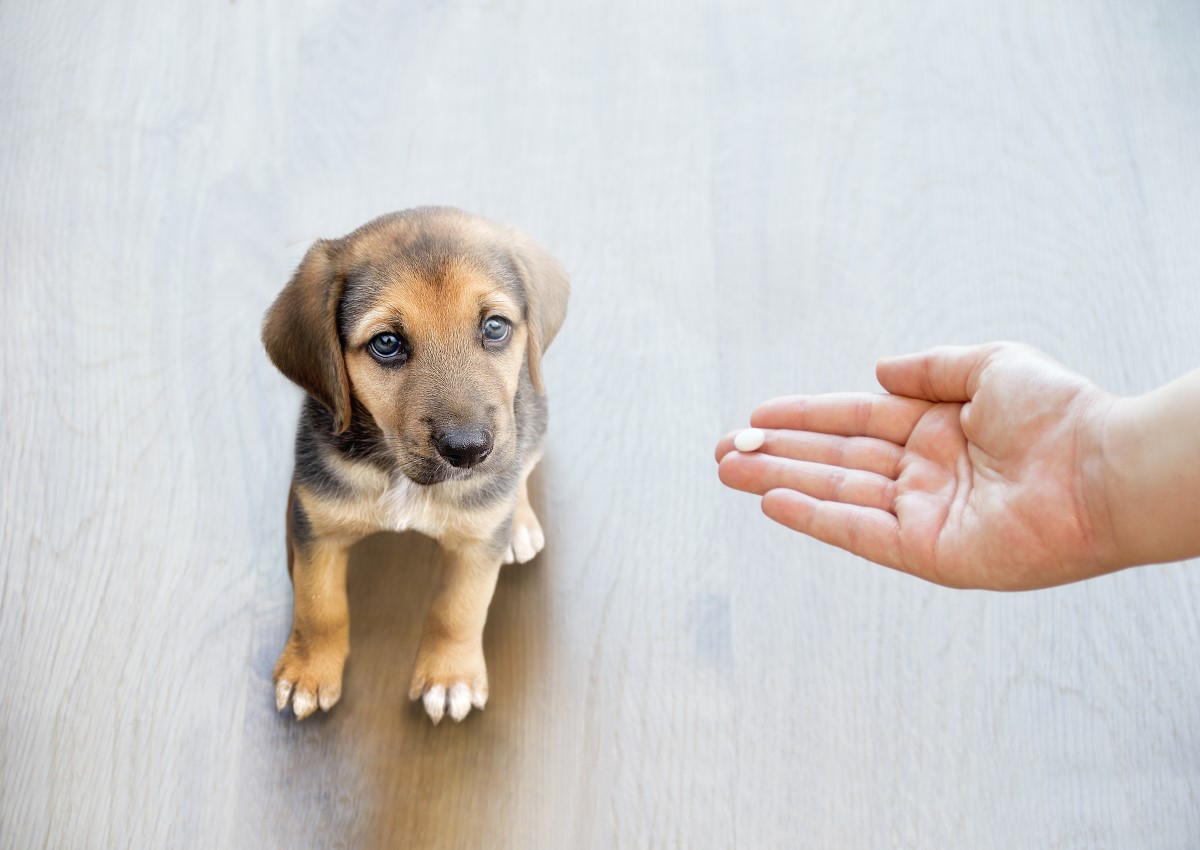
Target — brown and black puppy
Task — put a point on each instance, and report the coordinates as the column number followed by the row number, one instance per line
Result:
column 419, row 339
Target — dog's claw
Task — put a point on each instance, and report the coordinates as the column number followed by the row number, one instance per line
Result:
column 449, row 678
column 456, row 700
column 304, row 703
column 459, row 700
column 283, row 690
column 527, row 540
column 329, row 696
column 435, row 703
column 309, row 678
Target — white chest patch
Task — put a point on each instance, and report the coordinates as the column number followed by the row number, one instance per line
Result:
column 431, row 510
column 402, row 505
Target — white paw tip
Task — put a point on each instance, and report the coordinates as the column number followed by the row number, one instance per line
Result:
column 435, row 703
column 328, row 697
column 521, row 544
column 460, row 701
column 283, row 690
column 749, row 440
column 479, row 697
column 304, row 703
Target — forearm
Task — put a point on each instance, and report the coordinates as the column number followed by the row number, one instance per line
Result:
column 1152, row 457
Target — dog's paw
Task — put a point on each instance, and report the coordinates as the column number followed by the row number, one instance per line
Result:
column 527, row 537
column 449, row 679
column 309, row 674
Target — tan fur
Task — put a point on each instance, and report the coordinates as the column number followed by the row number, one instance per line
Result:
column 315, row 654
column 439, row 321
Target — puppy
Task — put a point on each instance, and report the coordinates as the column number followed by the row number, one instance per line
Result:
column 419, row 340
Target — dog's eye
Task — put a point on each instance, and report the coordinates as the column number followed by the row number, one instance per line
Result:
column 388, row 347
column 496, row 330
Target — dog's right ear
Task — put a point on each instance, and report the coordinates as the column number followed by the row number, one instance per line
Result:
column 301, row 335
column 547, row 289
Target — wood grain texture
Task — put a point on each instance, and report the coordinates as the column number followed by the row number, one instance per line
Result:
column 752, row 199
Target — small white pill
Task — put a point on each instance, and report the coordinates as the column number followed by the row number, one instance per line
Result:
column 749, row 440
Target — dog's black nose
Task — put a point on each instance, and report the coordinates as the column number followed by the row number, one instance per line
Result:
column 463, row 447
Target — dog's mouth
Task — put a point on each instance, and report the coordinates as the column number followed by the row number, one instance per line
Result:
column 426, row 471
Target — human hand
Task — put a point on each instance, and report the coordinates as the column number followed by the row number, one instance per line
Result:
column 983, row 468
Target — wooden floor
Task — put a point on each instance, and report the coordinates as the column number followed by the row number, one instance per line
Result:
column 752, row 199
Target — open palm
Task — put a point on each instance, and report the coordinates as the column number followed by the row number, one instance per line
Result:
column 976, row 471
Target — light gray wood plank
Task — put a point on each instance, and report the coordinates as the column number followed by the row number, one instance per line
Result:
column 752, row 199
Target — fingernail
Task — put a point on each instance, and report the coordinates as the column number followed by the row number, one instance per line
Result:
column 749, row 440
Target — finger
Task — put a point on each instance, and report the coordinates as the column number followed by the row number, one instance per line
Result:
column 945, row 373
column 759, row 474
column 884, row 417
column 865, row 453
column 964, row 418
column 868, row 533
column 725, row 444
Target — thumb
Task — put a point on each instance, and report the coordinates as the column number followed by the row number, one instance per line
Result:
column 946, row 373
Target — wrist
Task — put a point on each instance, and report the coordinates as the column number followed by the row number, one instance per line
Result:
column 1151, row 480
column 1112, row 488
column 1100, row 472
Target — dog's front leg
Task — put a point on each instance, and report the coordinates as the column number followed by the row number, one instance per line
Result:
column 312, row 662
column 450, row 674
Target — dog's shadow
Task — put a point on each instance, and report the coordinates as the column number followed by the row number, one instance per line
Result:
column 421, row 778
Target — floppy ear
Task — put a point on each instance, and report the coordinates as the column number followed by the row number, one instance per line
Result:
column 546, row 291
column 301, row 335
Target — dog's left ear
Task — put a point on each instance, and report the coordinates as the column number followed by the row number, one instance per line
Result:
column 547, row 289
column 301, row 335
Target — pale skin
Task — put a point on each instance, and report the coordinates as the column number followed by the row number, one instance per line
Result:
column 987, row 466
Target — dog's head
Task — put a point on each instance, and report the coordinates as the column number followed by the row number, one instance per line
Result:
column 426, row 317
